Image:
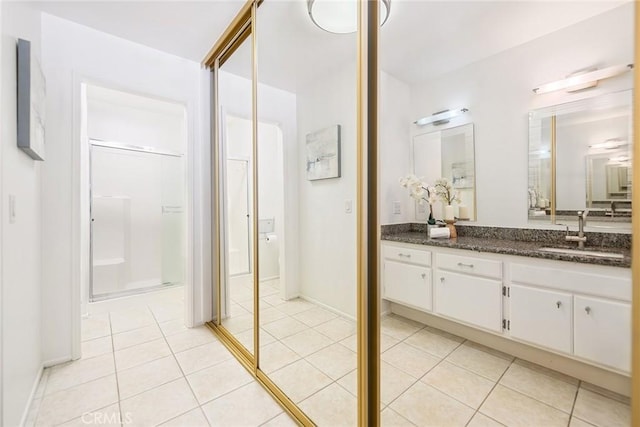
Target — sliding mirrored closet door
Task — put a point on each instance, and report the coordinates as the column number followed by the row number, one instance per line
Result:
column 307, row 170
column 237, row 195
column 287, row 181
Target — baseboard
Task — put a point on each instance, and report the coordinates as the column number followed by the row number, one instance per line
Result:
column 32, row 395
column 327, row 307
column 53, row 362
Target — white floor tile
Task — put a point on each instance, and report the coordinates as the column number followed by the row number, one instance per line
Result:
column 479, row 360
column 190, row 338
column 410, row 360
column 425, row 406
column 514, row 409
column 136, row 336
column 283, row 328
column 160, row 404
column 78, row 372
column 193, row 418
column 133, row 318
column 337, row 329
column 96, row 347
column 141, row 353
column 275, row 356
column 600, row 410
column 217, row 380
column 306, row 342
column 71, row 403
column 95, row 326
column 300, row 380
column 332, row 406
column 465, row 386
column 335, row 361
column 315, row 316
column 203, row 356
column 109, row 416
column 147, row 376
column 249, row 405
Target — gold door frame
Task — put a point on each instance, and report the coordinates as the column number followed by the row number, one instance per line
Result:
column 635, row 250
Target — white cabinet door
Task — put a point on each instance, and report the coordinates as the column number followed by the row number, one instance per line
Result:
column 407, row 284
column 541, row 317
column 603, row 332
column 470, row 299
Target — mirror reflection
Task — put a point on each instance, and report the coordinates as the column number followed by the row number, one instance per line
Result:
column 592, row 139
column 447, row 153
column 237, row 208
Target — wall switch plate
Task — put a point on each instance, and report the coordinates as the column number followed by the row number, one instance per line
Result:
column 12, row 209
column 397, row 209
column 348, row 206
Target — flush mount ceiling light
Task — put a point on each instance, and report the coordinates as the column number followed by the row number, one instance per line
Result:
column 583, row 80
column 440, row 117
column 341, row 16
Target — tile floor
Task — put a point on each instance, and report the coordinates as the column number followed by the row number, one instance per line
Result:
column 143, row 363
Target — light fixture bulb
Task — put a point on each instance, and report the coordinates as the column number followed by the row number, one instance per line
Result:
column 341, row 16
column 441, row 117
column 583, row 80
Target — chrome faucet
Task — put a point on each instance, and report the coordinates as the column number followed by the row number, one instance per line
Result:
column 580, row 238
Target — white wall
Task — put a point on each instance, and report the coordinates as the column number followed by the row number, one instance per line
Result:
column 394, row 155
column 498, row 93
column 21, row 282
column 72, row 54
column 327, row 233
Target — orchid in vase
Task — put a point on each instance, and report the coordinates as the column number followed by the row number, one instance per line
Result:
column 422, row 192
column 447, row 194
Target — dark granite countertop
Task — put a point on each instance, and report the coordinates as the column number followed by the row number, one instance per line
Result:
column 495, row 242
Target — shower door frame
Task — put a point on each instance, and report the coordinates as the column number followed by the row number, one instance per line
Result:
column 93, row 142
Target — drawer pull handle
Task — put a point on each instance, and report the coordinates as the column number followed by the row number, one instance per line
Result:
column 588, row 310
column 460, row 264
column 558, row 304
column 404, row 255
column 424, row 275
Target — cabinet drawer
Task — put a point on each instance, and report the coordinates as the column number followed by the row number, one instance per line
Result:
column 473, row 300
column 407, row 284
column 400, row 253
column 541, row 317
column 470, row 265
column 603, row 331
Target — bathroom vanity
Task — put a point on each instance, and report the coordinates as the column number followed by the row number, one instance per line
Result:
column 567, row 304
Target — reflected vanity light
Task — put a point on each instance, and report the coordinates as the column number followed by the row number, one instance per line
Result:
column 441, row 117
column 609, row 144
column 341, row 16
column 585, row 80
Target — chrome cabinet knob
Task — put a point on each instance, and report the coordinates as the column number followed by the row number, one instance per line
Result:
column 442, row 279
column 588, row 310
column 558, row 303
column 424, row 275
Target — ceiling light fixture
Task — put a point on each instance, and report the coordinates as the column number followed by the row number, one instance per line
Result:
column 341, row 16
column 440, row 117
column 583, row 80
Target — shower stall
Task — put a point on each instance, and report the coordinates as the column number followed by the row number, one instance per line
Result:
column 136, row 194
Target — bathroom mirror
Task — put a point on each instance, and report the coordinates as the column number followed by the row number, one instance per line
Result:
column 447, row 153
column 587, row 144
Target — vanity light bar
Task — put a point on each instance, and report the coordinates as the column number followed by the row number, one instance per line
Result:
column 585, row 80
column 441, row 117
column 609, row 144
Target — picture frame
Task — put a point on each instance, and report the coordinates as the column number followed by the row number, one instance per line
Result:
column 31, row 93
column 323, row 154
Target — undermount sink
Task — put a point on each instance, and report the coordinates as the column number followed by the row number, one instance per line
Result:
column 583, row 253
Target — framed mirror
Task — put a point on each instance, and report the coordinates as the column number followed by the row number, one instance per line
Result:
column 447, row 153
column 580, row 158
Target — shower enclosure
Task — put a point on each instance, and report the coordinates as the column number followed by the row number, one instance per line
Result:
column 137, row 219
